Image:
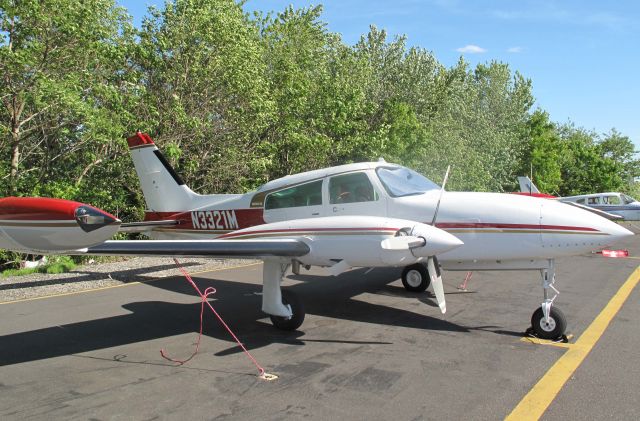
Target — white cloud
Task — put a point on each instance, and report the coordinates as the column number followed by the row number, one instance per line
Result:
column 471, row 49
column 514, row 50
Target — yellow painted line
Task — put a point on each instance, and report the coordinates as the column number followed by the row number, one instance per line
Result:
column 64, row 294
column 533, row 405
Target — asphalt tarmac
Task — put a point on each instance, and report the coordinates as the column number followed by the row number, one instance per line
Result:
column 367, row 349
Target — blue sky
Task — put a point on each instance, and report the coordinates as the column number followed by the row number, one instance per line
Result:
column 582, row 56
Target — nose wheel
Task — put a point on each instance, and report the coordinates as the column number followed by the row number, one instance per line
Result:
column 552, row 327
column 548, row 322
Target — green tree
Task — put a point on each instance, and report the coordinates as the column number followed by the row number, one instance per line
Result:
column 585, row 168
column 620, row 149
column 62, row 65
column 543, row 154
column 206, row 100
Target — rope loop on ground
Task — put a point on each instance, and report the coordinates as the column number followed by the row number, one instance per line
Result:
column 204, row 295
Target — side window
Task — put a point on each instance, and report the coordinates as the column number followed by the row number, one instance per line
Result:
column 593, row 201
column 580, row 201
column 309, row 194
column 613, row 200
column 351, row 188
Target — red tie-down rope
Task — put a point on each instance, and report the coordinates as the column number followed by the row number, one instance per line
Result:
column 204, row 295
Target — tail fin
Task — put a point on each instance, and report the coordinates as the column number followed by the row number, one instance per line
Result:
column 163, row 189
column 527, row 186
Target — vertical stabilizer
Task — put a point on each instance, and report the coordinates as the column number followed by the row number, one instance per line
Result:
column 163, row 189
column 527, row 186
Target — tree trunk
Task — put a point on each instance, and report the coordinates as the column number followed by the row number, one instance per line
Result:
column 15, row 158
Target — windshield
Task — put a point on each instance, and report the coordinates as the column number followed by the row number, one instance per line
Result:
column 628, row 199
column 401, row 181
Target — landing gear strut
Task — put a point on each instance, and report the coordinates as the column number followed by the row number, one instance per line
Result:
column 283, row 307
column 415, row 278
column 548, row 322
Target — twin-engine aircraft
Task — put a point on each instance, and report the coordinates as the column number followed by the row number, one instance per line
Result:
column 371, row 214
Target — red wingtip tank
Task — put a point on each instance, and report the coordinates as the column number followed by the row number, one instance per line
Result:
column 45, row 225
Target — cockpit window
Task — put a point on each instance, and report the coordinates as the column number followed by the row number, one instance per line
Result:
column 612, row 200
column 628, row 199
column 350, row 188
column 401, row 181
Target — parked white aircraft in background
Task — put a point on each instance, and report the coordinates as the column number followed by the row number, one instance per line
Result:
column 611, row 205
column 612, row 202
column 356, row 215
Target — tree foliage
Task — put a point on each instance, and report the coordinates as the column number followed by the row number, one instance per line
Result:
column 235, row 100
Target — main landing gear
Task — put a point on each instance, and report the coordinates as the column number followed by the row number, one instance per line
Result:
column 548, row 322
column 283, row 307
column 415, row 278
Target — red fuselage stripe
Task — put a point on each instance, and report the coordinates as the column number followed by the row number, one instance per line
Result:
column 251, row 217
column 300, row 230
column 450, row 225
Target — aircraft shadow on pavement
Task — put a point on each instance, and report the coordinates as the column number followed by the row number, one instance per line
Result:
column 126, row 276
column 239, row 305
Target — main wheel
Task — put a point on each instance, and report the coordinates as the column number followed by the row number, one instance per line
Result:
column 296, row 319
column 549, row 330
column 415, row 278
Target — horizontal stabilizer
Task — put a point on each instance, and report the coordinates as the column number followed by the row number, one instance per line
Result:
column 145, row 226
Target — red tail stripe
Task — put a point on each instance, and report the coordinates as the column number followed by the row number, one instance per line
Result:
column 139, row 139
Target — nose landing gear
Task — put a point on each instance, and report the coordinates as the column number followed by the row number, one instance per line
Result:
column 548, row 322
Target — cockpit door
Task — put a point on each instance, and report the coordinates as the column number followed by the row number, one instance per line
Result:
column 354, row 194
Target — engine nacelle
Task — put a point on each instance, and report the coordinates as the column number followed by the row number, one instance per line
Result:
column 436, row 241
column 359, row 241
column 44, row 225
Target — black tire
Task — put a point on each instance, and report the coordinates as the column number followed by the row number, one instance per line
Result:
column 415, row 278
column 556, row 327
column 295, row 321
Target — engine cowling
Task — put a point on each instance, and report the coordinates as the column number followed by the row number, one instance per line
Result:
column 436, row 241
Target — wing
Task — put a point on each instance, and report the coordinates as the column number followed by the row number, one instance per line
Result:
column 257, row 248
column 599, row 212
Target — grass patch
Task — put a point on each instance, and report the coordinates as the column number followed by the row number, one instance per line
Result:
column 58, row 264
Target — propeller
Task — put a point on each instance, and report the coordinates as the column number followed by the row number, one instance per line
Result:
column 432, row 263
column 436, row 281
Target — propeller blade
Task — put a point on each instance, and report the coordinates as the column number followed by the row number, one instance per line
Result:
column 436, row 282
column 404, row 242
column 444, row 183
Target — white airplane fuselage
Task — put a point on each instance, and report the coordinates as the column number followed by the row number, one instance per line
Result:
column 495, row 228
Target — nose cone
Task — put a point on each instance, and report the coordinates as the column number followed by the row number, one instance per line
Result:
column 562, row 224
column 437, row 241
column 617, row 231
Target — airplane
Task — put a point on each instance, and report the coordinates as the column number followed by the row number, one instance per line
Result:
column 371, row 214
column 611, row 205
column 615, row 203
